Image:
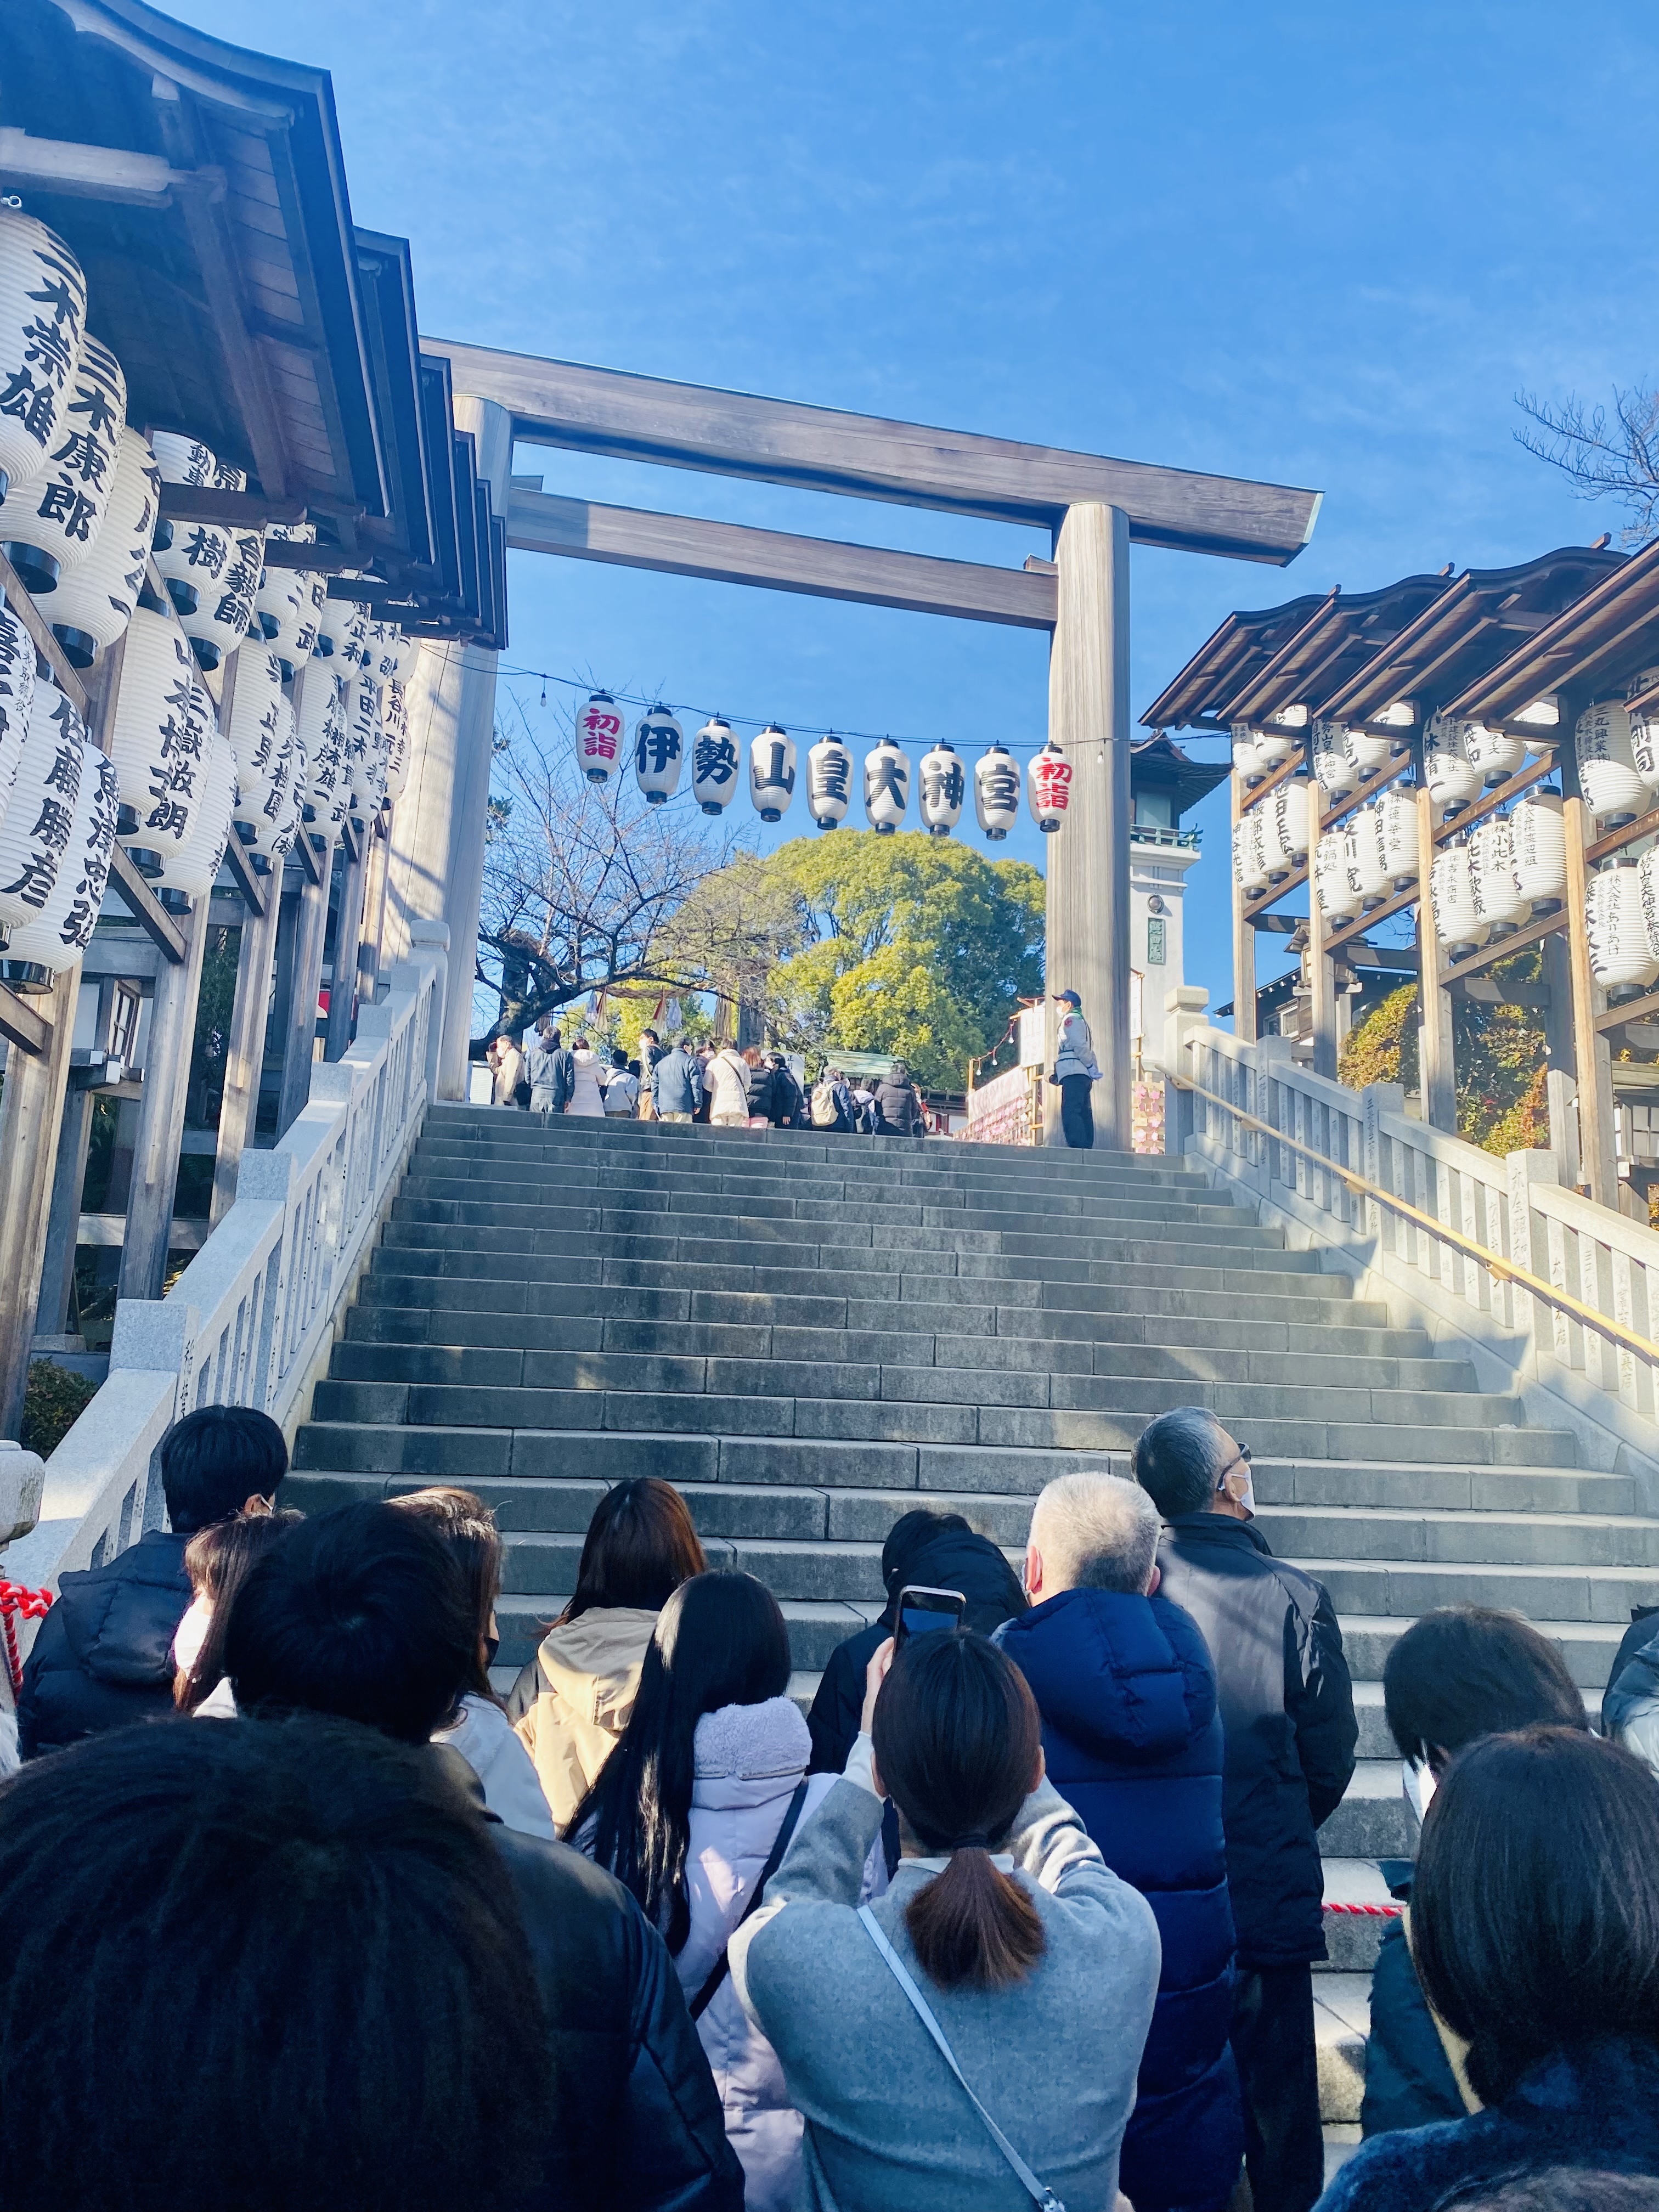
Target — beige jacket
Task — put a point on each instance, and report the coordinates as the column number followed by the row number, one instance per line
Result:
column 587, row 1677
column 509, row 1074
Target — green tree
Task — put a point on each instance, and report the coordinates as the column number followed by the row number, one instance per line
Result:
column 909, row 945
column 1500, row 1054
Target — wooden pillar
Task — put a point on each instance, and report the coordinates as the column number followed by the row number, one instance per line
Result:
column 1243, row 936
column 68, row 1179
column 245, row 1050
column 373, row 929
column 300, row 1039
column 1598, row 1161
column 348, row 932
column 1322, row 975
column 30, row 1114
column 1088, row 859
column 161, row 1114
column 1436, row 1062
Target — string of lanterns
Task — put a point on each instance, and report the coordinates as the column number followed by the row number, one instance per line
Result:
column 657, row 750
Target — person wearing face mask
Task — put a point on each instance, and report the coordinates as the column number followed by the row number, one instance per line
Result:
column 1286, row 1706
column 1458, row 1672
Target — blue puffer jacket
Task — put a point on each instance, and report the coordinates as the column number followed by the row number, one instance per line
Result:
column 1133, row 1743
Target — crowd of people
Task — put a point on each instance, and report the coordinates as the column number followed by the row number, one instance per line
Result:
column 1024, row 1912
column 684, row 1081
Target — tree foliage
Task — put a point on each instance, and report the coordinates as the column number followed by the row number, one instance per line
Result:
column 1501, row 1054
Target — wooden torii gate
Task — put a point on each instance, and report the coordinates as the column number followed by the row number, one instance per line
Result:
column 1095, row 508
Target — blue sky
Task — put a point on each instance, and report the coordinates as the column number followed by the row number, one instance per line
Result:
column 1320, row 245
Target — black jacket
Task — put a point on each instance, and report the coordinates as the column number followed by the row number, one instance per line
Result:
column 564, row 1063
column 1287, row 1708
column 786, row 1101
column 638, row 2123
column 898, row 1110
column 762, row 1090
column 1408, row 2078
column 957, row 1560
column 103, row 1655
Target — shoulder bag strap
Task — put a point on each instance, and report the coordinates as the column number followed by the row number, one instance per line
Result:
column 1040, row 2195
column 722, row 1966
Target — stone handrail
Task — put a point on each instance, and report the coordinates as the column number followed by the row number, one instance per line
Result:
column 250, row 1320
column 1566, row 1372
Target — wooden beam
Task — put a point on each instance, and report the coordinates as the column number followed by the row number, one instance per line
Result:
column 136, row 895
column 244, row 1047
column 1616, row 839
column 242, row 510
column 1596, row 1145
column 255, row 893
column 1243, row 935
column 102, row 173
column 20, row 1025
column 1530, row 932
column 730, row 553
column 1633, row 1010
column 18, row 598
column 1437, row 1057
column 31, row 1113
column 689, row 425
column 1339, row 937
column 161, row 1115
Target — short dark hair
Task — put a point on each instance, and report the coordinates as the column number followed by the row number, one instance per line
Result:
column 1536, row 1901
column 363, row 1613
column 957, row 1738
column 215, row 1460
column 641, row 1546
column 1176, row 1459
column 170, row 1894
column 1560, row 2189
column 1467, row 1670
column 466, row 1524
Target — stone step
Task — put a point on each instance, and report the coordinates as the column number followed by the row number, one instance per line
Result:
column 1587, row 1645
column 815, row 1629
column 1342, row 2027
column 1366, row 1535
column 1543, row 1594
column 1024, row 1364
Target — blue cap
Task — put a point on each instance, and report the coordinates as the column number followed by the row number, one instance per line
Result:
column 1071, row 997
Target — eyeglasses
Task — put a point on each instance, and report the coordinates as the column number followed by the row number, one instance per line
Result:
column 1240, row 1458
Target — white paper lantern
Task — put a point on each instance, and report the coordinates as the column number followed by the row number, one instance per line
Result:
column 1334, row 761
column 342, row 628
column 282, row 814
column 289, row 603
column 198, row 863
column 1614, row 789
column 1049, row 787
column 1457, row 921
column 598, row 736
column 364, row 747
column 943, row 787
column 1339, row 901
column 714, row 765
column 1397, row 811
column 829, row 781
column 1453, row 779
column 58, row 937
column 658, row 755
column 43, row 320
column 409, row 658
column 996, row 792
column 185, row 461
column 1540, row 844
column 17, row 663
column 60, row 511
column 886, row 787
column 258, row 731
column 1249, row 860
column 1275, row 745
column 771, row 772
column 158, row 735
column 1247, row 760
column 1292, row 816
column 321, row 723
column 1621, row 957
column 1375, row 750
column 1647, row 876
column 37, row 830
column 384, row 643
column 1494, row 752
column 94, row 604
column 394, row 720
column 1368, row 863
column 1498, row 898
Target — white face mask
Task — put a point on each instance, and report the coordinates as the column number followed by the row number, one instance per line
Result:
column 1417, row 1779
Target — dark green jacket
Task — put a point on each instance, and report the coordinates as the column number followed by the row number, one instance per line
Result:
column 1408, row 2077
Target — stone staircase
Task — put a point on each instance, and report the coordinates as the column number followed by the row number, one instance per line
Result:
column 809, row 1333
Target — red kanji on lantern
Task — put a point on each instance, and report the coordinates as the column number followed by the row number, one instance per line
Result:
column 598, row 735
column 1050, row 781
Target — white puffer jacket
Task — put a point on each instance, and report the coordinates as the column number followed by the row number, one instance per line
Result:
column 749, row 1760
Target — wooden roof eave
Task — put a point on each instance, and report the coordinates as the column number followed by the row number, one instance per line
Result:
column 1599, row 633
column 1214, row 669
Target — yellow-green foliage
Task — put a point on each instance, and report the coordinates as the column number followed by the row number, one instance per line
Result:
column 1500, row 1051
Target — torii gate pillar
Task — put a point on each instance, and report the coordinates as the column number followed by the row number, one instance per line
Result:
column 1088, row 904
column 434, row 872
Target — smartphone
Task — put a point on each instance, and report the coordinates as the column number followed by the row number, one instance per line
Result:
column 921, row 1610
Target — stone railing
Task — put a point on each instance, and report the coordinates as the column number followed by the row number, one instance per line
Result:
column 249, row 1321
column 1506, row 1215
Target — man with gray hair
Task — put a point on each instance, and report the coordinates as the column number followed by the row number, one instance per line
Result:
column 1287, row 1708
column 1133, row 1742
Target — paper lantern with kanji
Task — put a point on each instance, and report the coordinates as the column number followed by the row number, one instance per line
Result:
column 1457, row 920
column 1397, row 812
column 1249, row 761
column 1288, row 833
column 1494, row 752
column 1621, row 958
column 1644, row 745
column 94, row 603
column 1453, row 779
column 658, row 755
column 1362, row 843
column 1249, row 856
column 342, row 630
column 771, row 772
column 1048, row 782
column 157, row 738
column 37, row 829
column 258, row 729
column 383, row 642
column 886, row 787
column 1615, row 788
column 289, row 606
column 1339, row 899
column 212, row 570
column 598, row 736
column 394, row 721
column 1647, row 876
column 43, row 320
column 1375, row 749
column 829, row 781
column 996, row 792
column 58, row 937
column 60, row 513
column 943, row 787
column 281, row 814
column 1539, row 841
column 17, row 663
column 1335, row 763
column 198, row 863
column 714, row 766
column 1498, row 898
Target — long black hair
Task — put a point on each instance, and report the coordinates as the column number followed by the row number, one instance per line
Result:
column 719, row 1641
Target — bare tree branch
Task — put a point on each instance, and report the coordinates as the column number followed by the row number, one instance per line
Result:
column 1602, row 458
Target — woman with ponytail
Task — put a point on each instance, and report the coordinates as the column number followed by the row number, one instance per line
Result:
column 1035, row 1964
